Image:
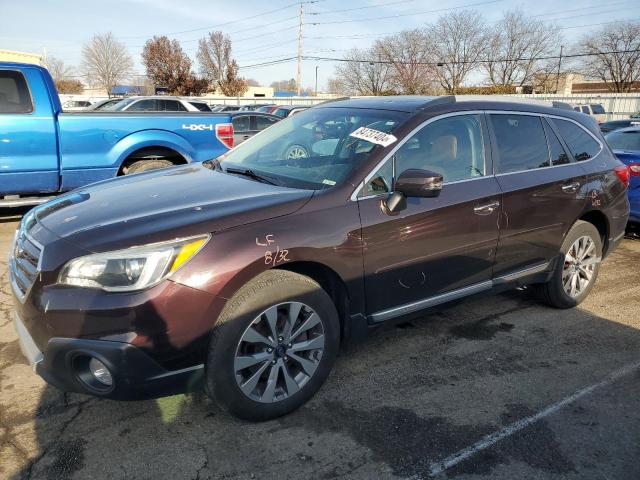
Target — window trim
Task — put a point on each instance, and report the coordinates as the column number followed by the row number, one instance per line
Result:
column 354, row 195
column 26, row 82
column 487, row 130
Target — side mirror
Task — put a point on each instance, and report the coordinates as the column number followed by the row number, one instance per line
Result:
column 412, row 183
column 419, row 183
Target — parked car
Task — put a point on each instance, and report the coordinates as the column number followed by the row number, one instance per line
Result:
column 162, row 103
column 103, row 104
column 284, row 111
column 626, row 145
column 75, row 105
column 267, row 108
column 248, row 271
column 607, row 127
column 226, row 108
column 45, row 151
column 594, row 110
column 247, row 123
column 200, row 105
column 253, row 107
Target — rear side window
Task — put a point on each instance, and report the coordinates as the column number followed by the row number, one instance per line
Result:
column 14, row 93
column 520, row 142
column 585, row 109
column 241, row 123
column 171, row 106
column 556, row 150
column 597, row 109
column 203, row 107
column 263, row 122
column 624, row 140
column 582, row 145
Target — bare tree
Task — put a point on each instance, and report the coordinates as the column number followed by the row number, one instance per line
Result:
column 515, row 45
column 618, row 70
column 69, row 86
column 252, row 82
column 106, row 61
column 365, row 72
column 58, row 69
column 284, row 85
column 456, row 44
column 167, row 64
column 217, row 65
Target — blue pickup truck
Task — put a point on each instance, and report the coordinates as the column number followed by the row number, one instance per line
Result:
column 44, row 151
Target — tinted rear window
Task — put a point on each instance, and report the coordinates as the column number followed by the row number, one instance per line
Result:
column 14, row 93
column 521, row 142
column 624, row 140
column 582, row 145
column 597, row 109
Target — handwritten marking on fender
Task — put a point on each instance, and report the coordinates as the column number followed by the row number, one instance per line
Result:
column 271, row 257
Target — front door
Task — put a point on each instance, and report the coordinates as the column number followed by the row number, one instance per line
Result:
column 28, row 145
column 436, row 245
column 543, row 190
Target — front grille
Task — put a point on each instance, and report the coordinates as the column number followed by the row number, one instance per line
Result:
column 24, row 265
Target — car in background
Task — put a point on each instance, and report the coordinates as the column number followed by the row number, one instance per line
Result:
column 225, row 108
column 247, row 123
column 607, row 127
column 75, row 105
column 267, row 108
column 625, row 144
column 594, row 110
column 200, row 105
column 103, row 104
column 284, row 111
column 153, row 104
column 253, row 107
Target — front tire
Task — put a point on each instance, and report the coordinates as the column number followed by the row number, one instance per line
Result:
column 147, row 165
column 576, row 269
column 273, row 347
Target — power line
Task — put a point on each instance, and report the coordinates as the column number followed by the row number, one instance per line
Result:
column 397, row 2
column 405, row 14
column 461, row 62
column 231, row 22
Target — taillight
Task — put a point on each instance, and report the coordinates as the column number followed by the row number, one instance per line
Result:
column 634, row 169
column 624, row 173
column 224, row 133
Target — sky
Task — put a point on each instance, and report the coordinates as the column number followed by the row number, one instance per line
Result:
column 259, row 33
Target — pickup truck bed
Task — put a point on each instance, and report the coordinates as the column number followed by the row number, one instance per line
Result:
column 44, row 151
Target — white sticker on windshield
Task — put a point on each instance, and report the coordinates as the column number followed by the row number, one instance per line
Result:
column 373, row 136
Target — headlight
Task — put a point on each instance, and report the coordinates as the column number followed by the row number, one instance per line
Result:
column 130, row 269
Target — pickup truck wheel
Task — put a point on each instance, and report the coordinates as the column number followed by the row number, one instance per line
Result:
column 273, row 347
column 146, row 165
column 576, row 269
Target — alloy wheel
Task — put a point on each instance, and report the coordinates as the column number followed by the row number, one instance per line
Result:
column 279, row 352
column 296, row 152
column 580, row 263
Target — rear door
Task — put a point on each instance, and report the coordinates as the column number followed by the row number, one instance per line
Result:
column 543, row 190
column 436, row 246
column 28, row 136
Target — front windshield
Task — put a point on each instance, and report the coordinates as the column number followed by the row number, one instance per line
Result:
column 313, row 149
column 118, row 106
column 624, row 140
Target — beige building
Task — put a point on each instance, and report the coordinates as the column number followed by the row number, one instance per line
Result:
column 22, row 57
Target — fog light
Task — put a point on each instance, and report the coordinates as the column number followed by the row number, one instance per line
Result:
column 100, row 371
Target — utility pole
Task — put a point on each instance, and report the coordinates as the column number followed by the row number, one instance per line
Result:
column 299, row 75
column 316, row 81
column 559, row 65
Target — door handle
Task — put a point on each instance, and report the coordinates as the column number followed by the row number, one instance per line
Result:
column 246, row 136
column 486, row 209
column 571, row 187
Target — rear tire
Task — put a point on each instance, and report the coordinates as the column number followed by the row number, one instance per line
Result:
column 147, row 165
column 273, row 347
column 576, row 268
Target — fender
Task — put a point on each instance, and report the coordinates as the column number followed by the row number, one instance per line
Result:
column 149, row 138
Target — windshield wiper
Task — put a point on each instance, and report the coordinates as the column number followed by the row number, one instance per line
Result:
column 247, row 172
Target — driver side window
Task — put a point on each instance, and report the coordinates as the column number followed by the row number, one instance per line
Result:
column 452, row 147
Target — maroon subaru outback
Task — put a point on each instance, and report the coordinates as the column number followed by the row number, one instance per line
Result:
column 247, row 272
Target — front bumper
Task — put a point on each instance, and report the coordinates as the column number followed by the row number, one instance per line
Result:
column 135, row 374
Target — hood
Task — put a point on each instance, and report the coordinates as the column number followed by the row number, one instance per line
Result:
column 163, row 204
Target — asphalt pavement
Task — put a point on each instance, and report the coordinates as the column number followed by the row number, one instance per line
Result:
column 491, row 388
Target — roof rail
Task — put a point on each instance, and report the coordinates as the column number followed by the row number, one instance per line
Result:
column 504, row 98
column 440, row 100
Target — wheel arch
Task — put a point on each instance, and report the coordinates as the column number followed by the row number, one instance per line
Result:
column 600, row 221
column 156, row 151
